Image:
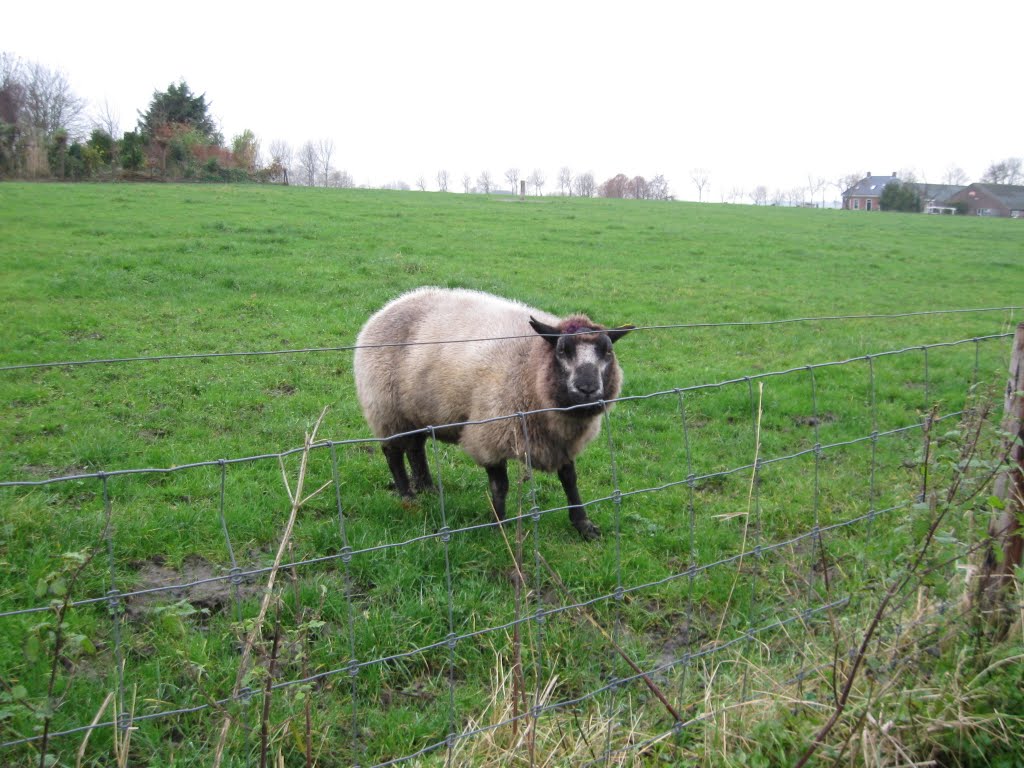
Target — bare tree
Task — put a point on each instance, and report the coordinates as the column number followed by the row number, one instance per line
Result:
column 467, row 184
column 108, row 121
column 512, row 177
column 341, row 180
column 760, row 195
column 324, row 149
column 483, row 182
column 700, row 177
column 537, row 181
column 955, row 176
column 639, row 189
column 50, row 103
column 565, row 180
column 309, row 161
column 845, row 183
column 736, row 194
column 816, row 184
column 280, row 160
column 421, row 183
column 617, row 186
column 1008, row 171
column 657, row 188
column 281, row 153
column 584, row 184
column 778, row 197
column 442, row 180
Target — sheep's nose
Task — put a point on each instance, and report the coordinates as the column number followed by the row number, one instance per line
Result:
column 588, row 382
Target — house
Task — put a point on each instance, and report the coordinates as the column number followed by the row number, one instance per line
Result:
column 1005, row 200
column 866, row 193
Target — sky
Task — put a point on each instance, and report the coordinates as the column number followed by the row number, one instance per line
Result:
column 755, row 93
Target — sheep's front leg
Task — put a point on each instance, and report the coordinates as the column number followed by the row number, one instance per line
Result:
column 577, row 514
column 497, row 477
column 395, row 454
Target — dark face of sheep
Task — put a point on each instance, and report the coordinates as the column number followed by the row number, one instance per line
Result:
column 583, row 364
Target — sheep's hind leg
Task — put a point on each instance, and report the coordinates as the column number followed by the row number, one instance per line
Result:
column 421, row 479
column 394, row 452
column 577, row 514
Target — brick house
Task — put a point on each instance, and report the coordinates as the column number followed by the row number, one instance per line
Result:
column 866, row 193
column 1006, row 200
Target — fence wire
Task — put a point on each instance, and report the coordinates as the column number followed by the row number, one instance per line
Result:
column 761, row 616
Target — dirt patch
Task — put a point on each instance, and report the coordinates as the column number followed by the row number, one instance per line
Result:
column 215, row 591
column 281, row 390
column 49, row 472
column 814, row 421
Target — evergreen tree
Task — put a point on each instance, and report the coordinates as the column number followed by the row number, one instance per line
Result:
column 180, row 107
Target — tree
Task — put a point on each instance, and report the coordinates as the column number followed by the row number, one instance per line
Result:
column 246, row 150
column 340, row 180
column 900, row 196
column 324, row 150
column 657, row 188
column 638, row 188
column 1008, row 171
column 467, row 183
column 49, row 103
column 421, row 183
column 483, row 182
column 280, row 160
column 584, row 185
column 309, row 161
column 178, row 105
column 565, row 180
column 617, row 186
column 760, row 195
column 955, row 176
column 131, row 150
column 442, row 180
column 537, row 180
column 816, row 184
column 700, row 177
column 512, row 177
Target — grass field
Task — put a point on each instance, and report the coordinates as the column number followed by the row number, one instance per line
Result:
column 742, row 649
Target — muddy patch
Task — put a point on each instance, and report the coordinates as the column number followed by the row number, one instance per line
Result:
column 200, row 582
column 815, row 421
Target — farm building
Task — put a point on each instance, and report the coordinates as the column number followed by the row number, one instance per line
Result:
column 866, row 193
column 1006, row 200
column 935, row 198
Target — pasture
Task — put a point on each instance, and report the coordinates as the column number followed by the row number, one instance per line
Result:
column 418, row 633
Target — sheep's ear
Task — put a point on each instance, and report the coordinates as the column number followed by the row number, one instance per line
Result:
column 550, row 334
column 617, row 333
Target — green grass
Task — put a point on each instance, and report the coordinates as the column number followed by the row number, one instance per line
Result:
column 97, row 272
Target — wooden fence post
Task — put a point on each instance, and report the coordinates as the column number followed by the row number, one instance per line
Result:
column 1004, row 528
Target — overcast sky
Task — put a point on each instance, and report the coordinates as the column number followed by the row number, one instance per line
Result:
column 754, row 92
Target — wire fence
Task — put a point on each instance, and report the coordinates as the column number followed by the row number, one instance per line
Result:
column 650, row 687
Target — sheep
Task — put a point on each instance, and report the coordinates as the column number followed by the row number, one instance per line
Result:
column 521, row 360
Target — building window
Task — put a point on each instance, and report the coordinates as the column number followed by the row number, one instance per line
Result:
column 985, row 212
column 867, row 206
column 856, row 203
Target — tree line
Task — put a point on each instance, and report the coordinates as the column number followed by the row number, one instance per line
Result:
column 45, row 133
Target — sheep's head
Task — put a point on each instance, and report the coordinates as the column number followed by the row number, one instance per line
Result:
column 583, row 362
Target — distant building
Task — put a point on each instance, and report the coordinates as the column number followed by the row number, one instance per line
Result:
column 1006, row 200
column 936, row 198
column 866, row 193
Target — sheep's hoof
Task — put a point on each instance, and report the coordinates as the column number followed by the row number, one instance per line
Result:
column 588, row 530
